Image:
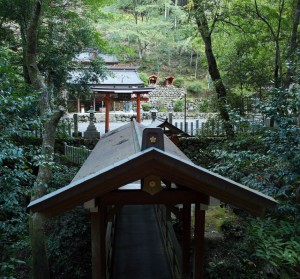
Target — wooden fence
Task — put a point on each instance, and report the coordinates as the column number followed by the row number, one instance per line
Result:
column 215, row 127
column 77, row 155
column 171, row 243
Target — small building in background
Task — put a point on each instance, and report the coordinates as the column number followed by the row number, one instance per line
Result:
column 118, row 77
column 169, row 80
column 153, row 80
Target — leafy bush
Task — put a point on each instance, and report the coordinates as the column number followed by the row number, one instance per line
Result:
column 146, row 106
column 207, row 105
column 275, row 246
column 144, row 78
column 179, row 82
column 17, row 113
column 69, row 243
column 266, row 159
column 194, row 87
column 178, row 105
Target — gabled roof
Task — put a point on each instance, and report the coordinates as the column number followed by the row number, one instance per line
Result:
column 122, row 77
column 169, row 128
column 117, row 161
column 116, row 77
column 86, row 57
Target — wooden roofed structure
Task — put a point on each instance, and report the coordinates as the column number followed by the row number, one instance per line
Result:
column 134, row 153
column 171, row 131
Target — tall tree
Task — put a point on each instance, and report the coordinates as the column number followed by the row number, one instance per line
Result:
column 199, row 11
column 39, row 256
column 276, row 36
column 294, row 45
column 152, row 30
column 44, row 80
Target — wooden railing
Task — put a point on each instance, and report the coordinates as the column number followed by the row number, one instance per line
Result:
column 77, row 155
column 171, row 243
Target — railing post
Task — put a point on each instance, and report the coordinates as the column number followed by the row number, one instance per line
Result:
column 186, row 239
column 199, row 240
column 98, row 234
column 65, row 148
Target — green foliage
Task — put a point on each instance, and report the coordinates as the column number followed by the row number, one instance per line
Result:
column 144, row 78
column 269, row 162
column 66, row 259
column 194, row 87
column 179, row 82
column 146, row 107
column 206, row 105
column 178, row 105
column 17, row 112
column 275, row 246
column 257, row 248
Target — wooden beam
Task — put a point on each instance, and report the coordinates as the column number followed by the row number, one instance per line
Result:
column 98, row 232
column 95, row 235
column 186, row 240
column 199, row 242
column 138, row 108
column 107, row 109
column 166, row 196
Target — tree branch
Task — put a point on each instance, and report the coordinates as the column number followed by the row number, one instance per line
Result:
column 265, row 21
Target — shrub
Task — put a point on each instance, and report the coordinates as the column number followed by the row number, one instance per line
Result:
column 146, row 107
column 178, row 105
column 207, row 105
column 179, row 82
column 144, row 78
column 194, row 87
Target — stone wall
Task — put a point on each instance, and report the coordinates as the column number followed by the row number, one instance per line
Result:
column 113, row 117
column 165, row 96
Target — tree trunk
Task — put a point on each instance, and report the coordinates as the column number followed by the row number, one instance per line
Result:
column 213, row 69
column 276, row 38
column 293, row 47
column 36, row 221
column 196, row 65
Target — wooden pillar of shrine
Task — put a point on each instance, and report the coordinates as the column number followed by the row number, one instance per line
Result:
column 107, row 109
column 199, row 241
column 138, row 108
column 186, row 240
column 98, row 232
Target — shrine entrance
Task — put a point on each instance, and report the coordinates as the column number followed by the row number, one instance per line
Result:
column 110, row 95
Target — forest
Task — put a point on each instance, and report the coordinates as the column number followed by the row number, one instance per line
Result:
column 236, row 58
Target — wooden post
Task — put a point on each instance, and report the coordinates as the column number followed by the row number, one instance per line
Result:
column 75, row 119
column 199, row 241
column 138, row 108
column 98, row 232
column 186, row 240
column 78, row 105
column 107, row 109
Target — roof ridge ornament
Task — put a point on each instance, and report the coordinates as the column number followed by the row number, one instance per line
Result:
column 153, row 137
